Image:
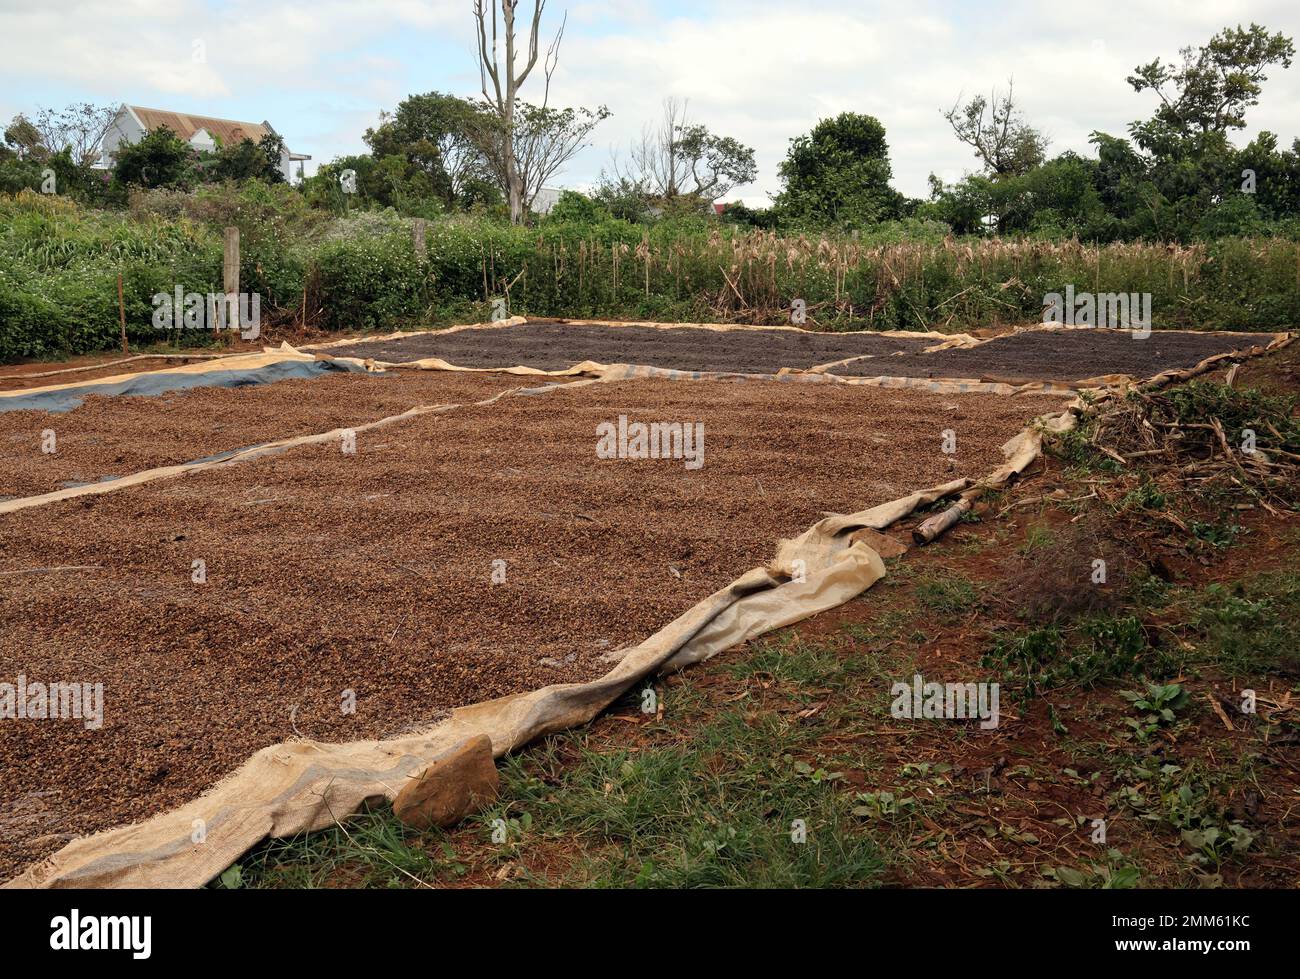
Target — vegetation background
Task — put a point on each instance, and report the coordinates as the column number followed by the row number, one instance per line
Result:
column 1174, row 209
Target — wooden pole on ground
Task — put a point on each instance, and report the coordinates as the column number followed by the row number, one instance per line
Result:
column 121, row 312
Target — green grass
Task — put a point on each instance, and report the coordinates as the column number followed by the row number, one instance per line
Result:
column 1093, row 650
column 719, row 808
column 718, row 812
column 371, row 849
column 1251, row 627
column 1037, row 539
column 946, row 592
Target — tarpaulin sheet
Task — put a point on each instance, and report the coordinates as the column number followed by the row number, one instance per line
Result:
column 300, row 786
column 228, row 372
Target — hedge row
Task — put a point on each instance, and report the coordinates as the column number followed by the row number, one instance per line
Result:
column 59, row 266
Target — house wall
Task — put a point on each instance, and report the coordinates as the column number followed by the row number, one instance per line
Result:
column 203, row 142
column 546, row 198
column 124, row 130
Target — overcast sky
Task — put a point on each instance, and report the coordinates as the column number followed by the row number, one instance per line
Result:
column 761, row 70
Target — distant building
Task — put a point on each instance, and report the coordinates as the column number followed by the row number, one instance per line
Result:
column 546, row 199
column 204, row 133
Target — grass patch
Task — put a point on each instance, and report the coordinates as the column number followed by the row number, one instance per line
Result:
column 371, row 849
column 946, row 592
column 725, row 810
column 1094, row 650
column 1251, row 627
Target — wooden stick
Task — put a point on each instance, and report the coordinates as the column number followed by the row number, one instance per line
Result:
column 121, row 312
column 1219, row 711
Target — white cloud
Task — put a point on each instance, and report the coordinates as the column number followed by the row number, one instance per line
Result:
column 149, row 44
column 762, row 71
column 765, row 71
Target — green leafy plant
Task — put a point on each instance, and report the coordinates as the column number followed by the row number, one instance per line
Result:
column 1185, row 800
column 1158, row 706
column 880, row 805
column 1115, row 874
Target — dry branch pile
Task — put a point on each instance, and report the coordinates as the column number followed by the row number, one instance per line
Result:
column 1209, row 440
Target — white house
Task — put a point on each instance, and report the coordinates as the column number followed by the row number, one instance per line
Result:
column 204, row 133
column 547, row 198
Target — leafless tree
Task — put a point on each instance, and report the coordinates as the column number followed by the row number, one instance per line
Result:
column 658, row 160
column 540, row 142
column 677, row 158
column 994, row 129
column 78, row 128
column 502, row 77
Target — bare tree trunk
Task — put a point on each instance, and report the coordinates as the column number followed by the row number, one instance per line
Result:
column 514, row 180
column 504, row 92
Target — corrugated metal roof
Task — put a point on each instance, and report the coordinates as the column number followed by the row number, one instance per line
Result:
column 228, row 131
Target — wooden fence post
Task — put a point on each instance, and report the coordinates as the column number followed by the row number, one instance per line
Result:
column 230, row 276
column 417, row 239
column 121, row 312
column 231, row 269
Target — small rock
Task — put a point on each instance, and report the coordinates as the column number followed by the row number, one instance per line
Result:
column 451, row 788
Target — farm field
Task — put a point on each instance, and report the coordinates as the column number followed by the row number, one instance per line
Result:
column 557, row 346
column 1203, row 594
column 1065, row 356
column 372, row 571
column 364, row 561
column 111, row 437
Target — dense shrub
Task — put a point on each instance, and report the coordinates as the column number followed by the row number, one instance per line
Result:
column 365, row 283
column 59, row 264
column 58, row 288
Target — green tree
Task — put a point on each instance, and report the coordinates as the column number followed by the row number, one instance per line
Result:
column 1274, row 173
column 23, row 140
column 623, row 198
column 578, row 208
column 1213, row 87
column 160, row 159
column 247, row 160
column 345, row 183
column 430, row 134
column 1180, row 175
column 839, row 174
